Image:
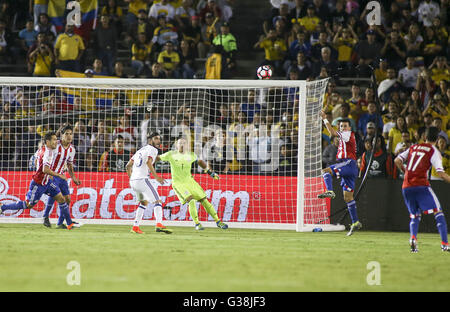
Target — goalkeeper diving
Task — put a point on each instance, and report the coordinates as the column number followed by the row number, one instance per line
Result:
column 184, row 185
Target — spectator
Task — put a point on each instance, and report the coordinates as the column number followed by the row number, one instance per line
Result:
column 115, row 14
column 250, row 107
column 45, row 26
column 81, row 141
column 258, row 145
column 118, row 70
column 36, row 7
column 274, row 49
column 310, row 21
column 344, row 111
column 7, row 147
column 6, row 42
column 164, row 33
column 325, row 61
column 28, row 37
column 100, row 139
column 439, row 70
column 128, row 132
column 69, row 48
column 442, row 146
column 389, row 86
column 210, row 29
column 140, row 59
column 228, row 42
column 437, row 108
column 433, row 46
column 25, row 151
column 184, row 14
column 344, row 42
column 97, row 67
column 187, row 59
column 42, row 61
column 193, row 33
column 133, row 9
column 394, row 50
column 115, row 159
column 404, row 144
column 329, row 152
column 142, row 25
column 382, row 163
column 157, row 71
column 161, row 8
column 437, row 122
column 155, row 122
column 371, row 115
column 381, row 71
column 389, row 118
column 368, row 51
column 212, row 8
column 413, row 40
column 105, row 42
column 408, row 75
column 169, row 60
column 395, row 134
column 427, row 11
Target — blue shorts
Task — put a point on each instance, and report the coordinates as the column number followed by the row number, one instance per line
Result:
column 36, row 191
column 420, row 199
column 61, row 184
column 347, row 170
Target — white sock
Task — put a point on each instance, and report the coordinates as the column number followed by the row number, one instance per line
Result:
column 157, row 210
column 139, row 214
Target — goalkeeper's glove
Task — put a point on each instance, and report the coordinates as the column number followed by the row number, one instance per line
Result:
column 213, row 175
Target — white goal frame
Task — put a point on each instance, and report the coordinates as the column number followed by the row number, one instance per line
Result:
column 193, row 83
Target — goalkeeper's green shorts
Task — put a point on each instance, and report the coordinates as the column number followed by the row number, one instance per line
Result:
column 188, row 188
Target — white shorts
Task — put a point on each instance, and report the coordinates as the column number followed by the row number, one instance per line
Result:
column 144, row 190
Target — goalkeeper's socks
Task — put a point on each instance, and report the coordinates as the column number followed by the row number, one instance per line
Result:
column 193, row 211
column 48, row 207
column 328, row 179
column 157, row 210
column 414, row 226
column 351, row 206
column 210, row 209
column 139, row 214
column 441, row 225
column 15, row 206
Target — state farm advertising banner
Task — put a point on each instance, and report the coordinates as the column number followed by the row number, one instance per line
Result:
column 237, row 198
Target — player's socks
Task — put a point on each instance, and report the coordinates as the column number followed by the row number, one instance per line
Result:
column 210, row 210
column 351, row 206
column 328, row 179
column 64, row 210
column 139, row 214
column 157, row 210
column 441, row 225
column 193, row 211
column 414, row 226
column 15, row 206
column 48, row 207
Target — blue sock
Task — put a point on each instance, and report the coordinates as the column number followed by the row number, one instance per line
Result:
column 441, row 225
column 351, row 206
column 64, row 210
column 15, row 206
column 414, row 226
column 328, row 181
column 61, row 217
column 48, row 207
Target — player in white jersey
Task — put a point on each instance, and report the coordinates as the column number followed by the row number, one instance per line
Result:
column 139, row 168
column 64, row 155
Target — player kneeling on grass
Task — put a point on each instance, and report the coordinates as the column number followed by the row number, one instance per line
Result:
column 346, row 168
column 138, row 168
column 42, row 182
column 184, row 185
column 417, row 193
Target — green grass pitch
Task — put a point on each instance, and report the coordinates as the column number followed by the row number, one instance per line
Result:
column 35, row 258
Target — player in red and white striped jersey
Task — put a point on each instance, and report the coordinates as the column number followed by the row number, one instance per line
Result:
column 41, row 182
column 64, row 155
column 417, row 193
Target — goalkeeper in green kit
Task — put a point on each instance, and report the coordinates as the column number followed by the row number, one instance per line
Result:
column 184, row 185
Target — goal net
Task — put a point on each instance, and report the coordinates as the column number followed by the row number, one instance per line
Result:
column 263, row 138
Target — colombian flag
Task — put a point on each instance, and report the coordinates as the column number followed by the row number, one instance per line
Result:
column 58, row 14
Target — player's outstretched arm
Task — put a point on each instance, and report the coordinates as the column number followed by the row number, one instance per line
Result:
column 330, row 128
column 444, row 176
column 204, row 166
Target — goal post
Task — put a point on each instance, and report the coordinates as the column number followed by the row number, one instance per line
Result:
column 263, row 138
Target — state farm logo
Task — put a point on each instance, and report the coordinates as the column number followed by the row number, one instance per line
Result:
column 8, row 199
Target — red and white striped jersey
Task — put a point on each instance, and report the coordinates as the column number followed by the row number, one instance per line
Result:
column 44, row 158
column 61, row 157
column 347, row 145
column 419, row 158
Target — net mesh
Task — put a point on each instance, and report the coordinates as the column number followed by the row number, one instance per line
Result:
column 248, row 134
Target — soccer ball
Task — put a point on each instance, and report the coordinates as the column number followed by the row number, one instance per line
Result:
column 264, row 72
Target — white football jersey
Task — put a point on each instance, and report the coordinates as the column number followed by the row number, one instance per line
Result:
column 140, row 168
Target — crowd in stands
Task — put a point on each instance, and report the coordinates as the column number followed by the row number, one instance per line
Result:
column 407, row 56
